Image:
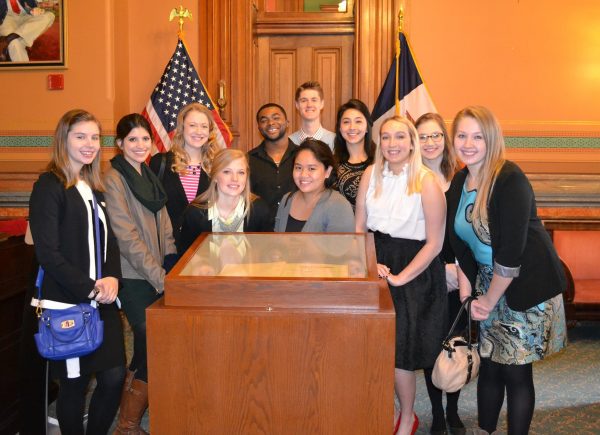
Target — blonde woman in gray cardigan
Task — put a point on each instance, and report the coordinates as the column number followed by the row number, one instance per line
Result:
column 136, row 202
column 314, row 207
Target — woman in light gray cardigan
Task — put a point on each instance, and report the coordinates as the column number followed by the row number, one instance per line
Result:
column 314, row 207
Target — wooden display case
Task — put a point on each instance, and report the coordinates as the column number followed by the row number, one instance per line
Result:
column 273, row 333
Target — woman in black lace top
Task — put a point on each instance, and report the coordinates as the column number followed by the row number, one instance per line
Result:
column 354, row 148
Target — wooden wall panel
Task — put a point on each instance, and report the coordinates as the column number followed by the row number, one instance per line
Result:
column 283, row 75
column 326, row 58
column 327, row 64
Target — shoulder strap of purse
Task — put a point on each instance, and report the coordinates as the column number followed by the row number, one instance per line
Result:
column 97, row 238
column 163, row 164
column 466, row 307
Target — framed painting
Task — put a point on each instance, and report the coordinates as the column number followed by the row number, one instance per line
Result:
column 33, row 34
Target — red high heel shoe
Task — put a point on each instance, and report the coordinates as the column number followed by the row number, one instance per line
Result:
column 415, row 425
column 397, row 424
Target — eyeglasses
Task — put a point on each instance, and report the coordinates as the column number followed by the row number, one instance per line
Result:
column 435, row 137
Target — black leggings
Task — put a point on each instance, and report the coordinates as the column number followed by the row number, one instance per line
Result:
column 520, row 392
column 437, row 408
column 70, row 404
column 139, row 360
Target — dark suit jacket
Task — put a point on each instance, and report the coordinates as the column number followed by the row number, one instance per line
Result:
column 518, row 239
column 177, row 201
column 195, row 221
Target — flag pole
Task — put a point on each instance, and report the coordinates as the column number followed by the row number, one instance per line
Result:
column 180, row 13
column 400, row 27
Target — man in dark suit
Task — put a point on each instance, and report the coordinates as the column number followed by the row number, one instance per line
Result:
column 21, row 22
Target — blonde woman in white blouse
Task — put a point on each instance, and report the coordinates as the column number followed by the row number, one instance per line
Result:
column 400, row 201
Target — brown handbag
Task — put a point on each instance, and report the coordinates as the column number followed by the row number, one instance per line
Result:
column 458, row 362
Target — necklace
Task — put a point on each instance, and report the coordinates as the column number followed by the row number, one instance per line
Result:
column 194, row 169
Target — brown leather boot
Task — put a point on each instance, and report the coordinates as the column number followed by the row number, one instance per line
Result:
column 134, row 402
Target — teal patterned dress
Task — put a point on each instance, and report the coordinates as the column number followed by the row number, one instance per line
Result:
column 508, row 336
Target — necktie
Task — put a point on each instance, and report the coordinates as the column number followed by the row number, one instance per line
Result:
column 15, row 6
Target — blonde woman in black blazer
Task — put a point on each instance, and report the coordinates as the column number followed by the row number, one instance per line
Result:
column 507, row 260
column 60, row 213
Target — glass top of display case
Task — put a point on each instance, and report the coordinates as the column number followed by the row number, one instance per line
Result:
column 278, row 255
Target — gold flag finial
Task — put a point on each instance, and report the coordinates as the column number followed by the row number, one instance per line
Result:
column 400, row 27
column 401, row 19
column 181, row 13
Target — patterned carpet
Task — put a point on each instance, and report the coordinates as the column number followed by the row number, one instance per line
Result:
column 567, row 390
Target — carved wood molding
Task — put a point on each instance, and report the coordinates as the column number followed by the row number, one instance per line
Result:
column 303, row 27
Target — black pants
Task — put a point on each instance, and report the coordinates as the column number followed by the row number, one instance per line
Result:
column 139, row 360
column 70, row 405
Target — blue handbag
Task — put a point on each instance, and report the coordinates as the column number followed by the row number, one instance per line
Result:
column 71, row 332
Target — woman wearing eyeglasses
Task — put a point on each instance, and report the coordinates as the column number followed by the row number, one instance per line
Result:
column 438, row 155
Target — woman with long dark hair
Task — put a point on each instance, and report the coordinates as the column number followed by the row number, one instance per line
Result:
column 354, row 148
column 136, row 202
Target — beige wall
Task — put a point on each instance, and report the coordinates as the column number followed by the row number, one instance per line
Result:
column 536, row 64
column 536, row 67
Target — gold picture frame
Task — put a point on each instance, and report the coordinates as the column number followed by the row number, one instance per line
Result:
column 48, row 50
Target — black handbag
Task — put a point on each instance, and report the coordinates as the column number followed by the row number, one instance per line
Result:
column 70, row 332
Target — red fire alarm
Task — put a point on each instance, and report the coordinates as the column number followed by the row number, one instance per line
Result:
column 56, row 82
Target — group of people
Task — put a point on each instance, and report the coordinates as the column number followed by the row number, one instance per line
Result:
column 441, row 235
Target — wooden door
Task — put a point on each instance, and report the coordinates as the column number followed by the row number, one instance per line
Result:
column 284, row 62
column 262, row 54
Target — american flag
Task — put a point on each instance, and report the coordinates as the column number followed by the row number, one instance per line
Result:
column 178, row 86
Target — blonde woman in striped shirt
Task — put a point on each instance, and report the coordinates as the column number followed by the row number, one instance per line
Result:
column 184, row 170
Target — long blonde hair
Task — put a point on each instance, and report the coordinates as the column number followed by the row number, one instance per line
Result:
column 60, row 164
column 181, row 158
column 222, row 158
column 416, row 168
column 494, row 155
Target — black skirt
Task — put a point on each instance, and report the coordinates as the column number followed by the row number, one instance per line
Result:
column 421, row 305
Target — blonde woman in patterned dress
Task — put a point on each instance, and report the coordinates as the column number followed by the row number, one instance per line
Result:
column 507, row 260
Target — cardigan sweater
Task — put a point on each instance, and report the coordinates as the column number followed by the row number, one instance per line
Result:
column 195, row 221
column 59, row 221
column 59, row 226
column 332, row 214
column 145, row 238
column 177, row 201
column 521, row 247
